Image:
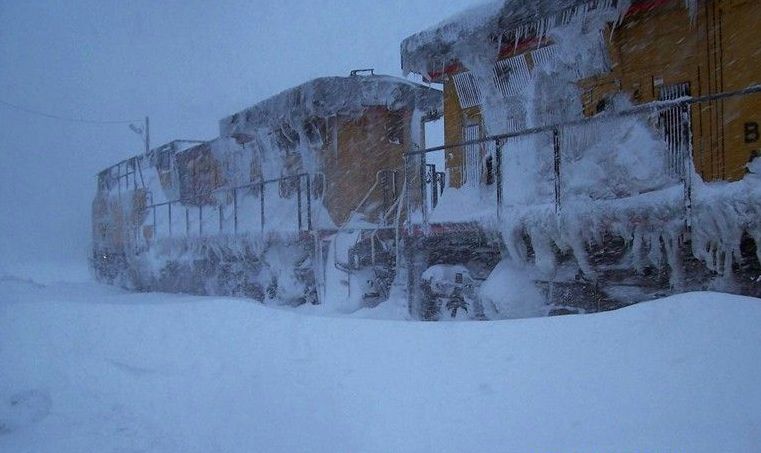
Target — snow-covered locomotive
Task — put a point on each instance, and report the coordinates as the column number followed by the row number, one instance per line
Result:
column 585, row 168
column 255, row 211
column 591, row 142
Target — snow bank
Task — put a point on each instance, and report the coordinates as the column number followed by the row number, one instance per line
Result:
column 510, row 293
column 91, row 368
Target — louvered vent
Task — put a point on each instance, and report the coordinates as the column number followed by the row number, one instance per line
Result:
column 511, row 75
column 467, row 89
column 472, row 170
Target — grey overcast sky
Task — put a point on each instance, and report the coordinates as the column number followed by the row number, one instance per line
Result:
column 185, row 63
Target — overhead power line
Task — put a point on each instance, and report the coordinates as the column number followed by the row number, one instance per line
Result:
column 63, row 118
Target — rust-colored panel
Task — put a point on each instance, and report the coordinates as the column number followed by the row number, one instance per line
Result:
column 740, row 59
column 717, row 51
column 453, row 122
column 365, row 146
column 199, row 175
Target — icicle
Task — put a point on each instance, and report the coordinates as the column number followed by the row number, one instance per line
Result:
column 673, row 246
column 544, row 255
column 513, row 238
column 692, row 9
column 580, row 253
column 623, row 9
column 637, row 249
column 727, row 279
column 515, row 46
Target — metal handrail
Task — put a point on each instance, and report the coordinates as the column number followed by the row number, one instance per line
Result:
column 500, row 139
column 650, row 107
column 137, row 156
column 228, row 189
column 261, row 184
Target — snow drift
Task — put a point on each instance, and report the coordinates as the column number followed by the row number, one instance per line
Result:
column 91, row 368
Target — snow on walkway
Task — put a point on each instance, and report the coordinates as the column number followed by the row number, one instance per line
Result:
column 86, row 368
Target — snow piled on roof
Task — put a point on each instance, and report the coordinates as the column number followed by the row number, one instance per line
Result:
column 287, row 133
column 482, row 27
column 334, row 96
column 464, row 24
column 434, row 48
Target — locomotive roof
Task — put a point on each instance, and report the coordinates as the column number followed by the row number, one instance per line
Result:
column 432, row 50
column 330, row 96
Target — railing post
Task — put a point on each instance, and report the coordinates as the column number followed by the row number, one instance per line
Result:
column 140, row 172
column 200, row 218
column 498, row 174
column 687, row 165
column 434, row 188
column 134, row 172
column 221, row 217
column 235, row 211
column 384, row 180
column 556, row 152
column 298, row 198
column 187, row 222
column 406, row 192
column 309, row 203
column 423, row 201
column 261, row 204
column 430, row 177
column 170, row 218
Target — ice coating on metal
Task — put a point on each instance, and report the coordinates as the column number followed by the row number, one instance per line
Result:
column 333, row 96
column 489, row 27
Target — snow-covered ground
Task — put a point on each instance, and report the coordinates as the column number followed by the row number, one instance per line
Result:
column 87, row 368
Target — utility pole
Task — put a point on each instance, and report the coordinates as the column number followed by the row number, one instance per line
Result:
column 144, row 132
column 147, row 135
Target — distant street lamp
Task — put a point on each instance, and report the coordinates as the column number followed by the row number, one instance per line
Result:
column 144, row 132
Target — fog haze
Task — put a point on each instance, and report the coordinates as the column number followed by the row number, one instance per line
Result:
column 186, row 64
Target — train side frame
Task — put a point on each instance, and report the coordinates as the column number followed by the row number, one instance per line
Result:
column 399, row 252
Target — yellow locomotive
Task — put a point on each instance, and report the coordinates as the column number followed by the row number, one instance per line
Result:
column 603, row 150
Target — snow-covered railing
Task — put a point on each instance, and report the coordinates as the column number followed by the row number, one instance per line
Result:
column 651, row 107
column 233, row 210
column 127, row 174
column 123, row 176
column 553, row 132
